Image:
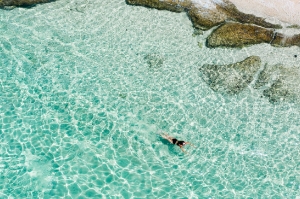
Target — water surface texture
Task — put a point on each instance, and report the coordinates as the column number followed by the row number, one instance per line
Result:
column 86, row 86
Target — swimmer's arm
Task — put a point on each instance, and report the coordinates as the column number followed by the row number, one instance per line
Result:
column 190, row 144
column 182, row 149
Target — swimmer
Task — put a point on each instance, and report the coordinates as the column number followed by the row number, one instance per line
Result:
column 179, row 143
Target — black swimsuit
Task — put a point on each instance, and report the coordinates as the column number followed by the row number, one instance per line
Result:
column 177, row 142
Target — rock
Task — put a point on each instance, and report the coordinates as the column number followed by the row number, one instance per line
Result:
column 200, row 45
column 235, row 15
column 267, row 75
column 232, row 78
column 281, row 40
column 21, row 3
column 295, row 26
column 197, row 32
column 205, row 15
column 282, row 83
column 203, row 18
column 239, row 35
column 171, row 5
column 207, row 18
column 154, row 60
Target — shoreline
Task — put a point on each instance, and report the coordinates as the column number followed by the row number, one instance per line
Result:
column 284, row 12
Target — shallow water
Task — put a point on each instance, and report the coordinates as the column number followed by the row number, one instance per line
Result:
column 81, row 109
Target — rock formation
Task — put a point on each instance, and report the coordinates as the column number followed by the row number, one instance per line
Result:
column 242, row 30
column 207, row 16
column 235, row 15
column 278, row 83
column 239, row 35
column 232, row 78
column 281, row 40
column 21, row 3
column 281, row 83
column 204, row 18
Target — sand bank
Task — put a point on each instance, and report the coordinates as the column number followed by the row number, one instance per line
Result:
column 287, row 11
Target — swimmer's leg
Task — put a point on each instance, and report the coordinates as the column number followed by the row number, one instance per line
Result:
column 167, row 137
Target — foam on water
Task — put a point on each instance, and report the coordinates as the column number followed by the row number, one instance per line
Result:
column 81, row 109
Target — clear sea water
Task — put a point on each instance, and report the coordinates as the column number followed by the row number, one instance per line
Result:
column 81, row 110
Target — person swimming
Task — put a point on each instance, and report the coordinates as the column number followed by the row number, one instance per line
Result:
column 174, row 141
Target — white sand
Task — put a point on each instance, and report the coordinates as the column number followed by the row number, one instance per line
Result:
column 287, row 11
column 208, row 4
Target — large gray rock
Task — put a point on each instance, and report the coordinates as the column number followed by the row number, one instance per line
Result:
column 232, row 78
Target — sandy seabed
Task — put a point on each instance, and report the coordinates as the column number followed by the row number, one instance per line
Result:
column 287, row 11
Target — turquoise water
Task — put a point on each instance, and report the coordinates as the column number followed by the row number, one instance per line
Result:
column 81, row 109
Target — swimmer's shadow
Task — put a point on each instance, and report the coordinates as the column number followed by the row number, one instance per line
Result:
column 173, row 149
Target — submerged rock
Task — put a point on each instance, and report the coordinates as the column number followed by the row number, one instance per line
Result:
column 239, row 35
column 21, row 3
column 267, row 75
column 294, row 26
column 154, row 60
column 197, row 32
column 232, row 78
column 282, row 83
